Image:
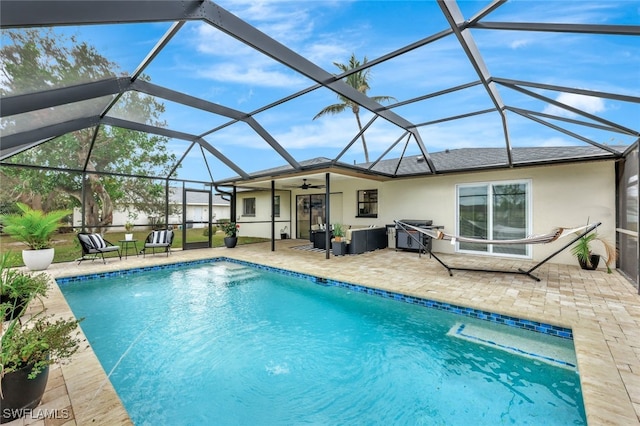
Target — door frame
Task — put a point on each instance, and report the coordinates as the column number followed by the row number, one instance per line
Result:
column 197, row 244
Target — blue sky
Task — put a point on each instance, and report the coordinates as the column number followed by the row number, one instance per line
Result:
column 204, row 62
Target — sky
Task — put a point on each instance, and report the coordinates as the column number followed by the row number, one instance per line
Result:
column 202, row 61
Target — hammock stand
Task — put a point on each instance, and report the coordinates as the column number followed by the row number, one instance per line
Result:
column 534, row 239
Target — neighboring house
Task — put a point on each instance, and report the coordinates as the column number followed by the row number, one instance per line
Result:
column 536, row 199
column 196, row 214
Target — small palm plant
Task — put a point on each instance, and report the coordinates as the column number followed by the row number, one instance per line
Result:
column 33, row 227
column 584, row 252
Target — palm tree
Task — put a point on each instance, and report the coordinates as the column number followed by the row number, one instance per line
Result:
column 359, row 81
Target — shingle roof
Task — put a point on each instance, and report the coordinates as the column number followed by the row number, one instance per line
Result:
column 477, row 158
column 464, row 159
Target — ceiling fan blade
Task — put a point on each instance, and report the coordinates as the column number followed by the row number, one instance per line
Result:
column 305, row 185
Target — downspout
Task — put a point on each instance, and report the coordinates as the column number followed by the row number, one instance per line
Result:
column 230, row 197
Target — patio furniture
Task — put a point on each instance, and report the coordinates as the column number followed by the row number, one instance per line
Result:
column 532, row 239
column 93, row 245
column 361, row 240
column 158, row 240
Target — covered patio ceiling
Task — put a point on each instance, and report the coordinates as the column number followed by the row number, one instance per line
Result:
column 466, row 76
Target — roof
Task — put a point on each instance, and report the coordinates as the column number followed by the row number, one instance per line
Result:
column 175, row 197
column 449, row 87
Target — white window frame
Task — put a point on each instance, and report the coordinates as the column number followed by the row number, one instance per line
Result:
column 490, row 185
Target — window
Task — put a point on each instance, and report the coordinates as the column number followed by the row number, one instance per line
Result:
column 276, row 206
column 248, row 206
column 367, row 203
column 495, row 211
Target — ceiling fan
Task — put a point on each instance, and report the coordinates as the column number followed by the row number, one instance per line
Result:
column 305, row 185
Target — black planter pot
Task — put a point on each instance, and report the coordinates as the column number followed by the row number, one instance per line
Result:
column 21, row 394
column 17, row 306
column 339, row 248
column 230, row 242
column 594, row 259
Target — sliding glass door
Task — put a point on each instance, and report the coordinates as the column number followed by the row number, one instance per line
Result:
column 494, row 211
column 310, row 210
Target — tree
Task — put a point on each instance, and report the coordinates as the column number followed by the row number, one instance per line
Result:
column 39, row 59
column 360, row 81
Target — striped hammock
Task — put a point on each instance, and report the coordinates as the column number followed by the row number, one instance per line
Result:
column 555, row 234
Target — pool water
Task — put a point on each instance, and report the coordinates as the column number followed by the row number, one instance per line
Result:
column 228, row 344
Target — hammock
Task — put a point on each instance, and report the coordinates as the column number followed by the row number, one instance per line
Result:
column 554, row 235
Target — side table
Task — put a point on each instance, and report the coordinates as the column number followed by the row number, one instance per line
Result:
column 125, row 247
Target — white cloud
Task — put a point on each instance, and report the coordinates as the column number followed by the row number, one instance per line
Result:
column 518, row 43
column 251, row 75
column 588, row 104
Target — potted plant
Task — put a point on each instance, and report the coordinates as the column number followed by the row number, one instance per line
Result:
column 129, row 228
column 338, row 231
column 586, row 258
column 29, row 343
column 337, row 245
column 28, row 348
column 18, row 288
column 34, row 228
column 230, row 230
column 283, row 233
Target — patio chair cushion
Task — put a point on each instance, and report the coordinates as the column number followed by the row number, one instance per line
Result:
column 159, row 238
column 97, row 241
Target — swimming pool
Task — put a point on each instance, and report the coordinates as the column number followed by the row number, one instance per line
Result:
column 226, row 343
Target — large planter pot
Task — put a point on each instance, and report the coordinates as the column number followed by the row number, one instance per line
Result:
column 21, row 394
column 37, row 260
column 230, row 242
column 594, row 259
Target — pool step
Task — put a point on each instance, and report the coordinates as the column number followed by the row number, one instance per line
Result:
column 229, row 273
column 557, row 355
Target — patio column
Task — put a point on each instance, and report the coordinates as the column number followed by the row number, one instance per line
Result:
column 327, row 234
column 273, row 215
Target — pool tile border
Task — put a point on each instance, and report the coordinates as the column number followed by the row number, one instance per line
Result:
column 553, row 330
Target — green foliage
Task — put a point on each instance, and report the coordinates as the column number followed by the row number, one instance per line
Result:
column 36, row 59
column 230, row 229
column 33, row 227
column 35, row 339
column 18, row 284
column 583, row 249
column 359, row 80
column 205, row 231
column 39, row 341
column 338, row 230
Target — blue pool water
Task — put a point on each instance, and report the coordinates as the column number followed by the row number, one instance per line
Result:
column 228, row 344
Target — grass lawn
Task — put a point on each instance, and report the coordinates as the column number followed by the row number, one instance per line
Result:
column 68, row 248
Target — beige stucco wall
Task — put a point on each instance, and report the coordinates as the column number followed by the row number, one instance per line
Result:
column 260, row 224
column 562, row 195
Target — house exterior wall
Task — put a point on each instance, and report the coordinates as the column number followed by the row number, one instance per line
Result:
column 561, row 195
column 259, row 225
column 564, row 195
column 194, row 212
